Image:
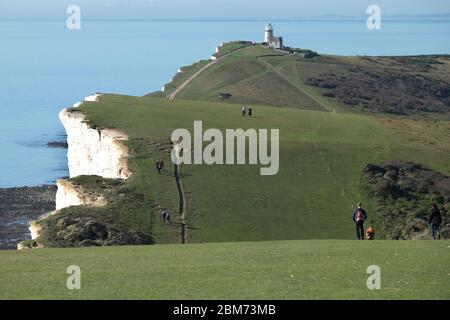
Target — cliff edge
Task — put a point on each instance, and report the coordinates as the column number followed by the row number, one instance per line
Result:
column 94, row 156
column 92, row 151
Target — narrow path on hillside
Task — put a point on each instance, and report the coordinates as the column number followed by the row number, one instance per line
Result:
column 296, row 85
column 182, row 204
column 184, row 84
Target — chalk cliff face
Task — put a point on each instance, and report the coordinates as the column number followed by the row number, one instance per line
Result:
column 67, row 195
column 70, row 195
column 34, row 230
column 92, row 151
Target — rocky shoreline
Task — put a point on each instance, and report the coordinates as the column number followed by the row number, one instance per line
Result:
column 20, row 205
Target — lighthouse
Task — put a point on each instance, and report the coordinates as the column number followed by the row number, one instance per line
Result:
column 270, row 40
column 268, row 33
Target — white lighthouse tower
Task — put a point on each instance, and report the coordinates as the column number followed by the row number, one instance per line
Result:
column 270, row 40
column 268, row 33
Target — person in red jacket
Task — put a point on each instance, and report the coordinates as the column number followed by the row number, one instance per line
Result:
column 359, row 217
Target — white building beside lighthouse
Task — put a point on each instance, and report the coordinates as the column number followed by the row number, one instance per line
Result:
column 270, row 40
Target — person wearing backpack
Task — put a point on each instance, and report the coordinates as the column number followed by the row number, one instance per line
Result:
column 435, row 220
column 359, row 217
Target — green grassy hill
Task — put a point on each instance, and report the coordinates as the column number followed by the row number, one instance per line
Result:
column 314, row 269
column 327, row 137
column 319, row 181
column 257, row 75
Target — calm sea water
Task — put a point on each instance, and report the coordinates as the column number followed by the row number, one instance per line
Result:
column 45, row 67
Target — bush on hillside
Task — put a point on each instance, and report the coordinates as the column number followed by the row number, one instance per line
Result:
column 401, row 85
column 404, row 193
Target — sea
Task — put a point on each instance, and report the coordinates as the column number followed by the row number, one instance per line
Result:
column 45, row 67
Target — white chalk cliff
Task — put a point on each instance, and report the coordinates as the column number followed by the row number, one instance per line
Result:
column 90, row 152
column 69, row 195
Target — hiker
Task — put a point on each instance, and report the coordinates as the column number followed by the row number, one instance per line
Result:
column 167, row 218
column 243, row 111
column 359, row 216
column 159, row 165
column 434, row 221
column 250, row 112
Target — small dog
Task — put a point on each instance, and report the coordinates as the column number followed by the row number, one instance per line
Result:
column 370, row 233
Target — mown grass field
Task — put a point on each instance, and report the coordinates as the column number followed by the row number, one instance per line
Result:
column 312, row 196
column 307, row 269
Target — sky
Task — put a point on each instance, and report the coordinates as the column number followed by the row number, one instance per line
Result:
column 214, row 9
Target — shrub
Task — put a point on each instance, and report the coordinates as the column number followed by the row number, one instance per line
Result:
column 404, row 193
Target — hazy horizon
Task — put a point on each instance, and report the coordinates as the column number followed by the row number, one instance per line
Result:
column 255, row 19
column 214, row 9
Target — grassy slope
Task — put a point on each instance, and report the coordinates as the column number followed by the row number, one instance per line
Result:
column 313, row 269
column 249, row 80
column 188, row 71
column 181, row 77
column 229, row 47
column 255, row 75
column 321, row 156
column 320, row 161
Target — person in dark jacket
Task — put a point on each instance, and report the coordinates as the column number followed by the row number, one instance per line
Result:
column 434, row 220
column 168, row 218
column 359, row 217
column 158, row 167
